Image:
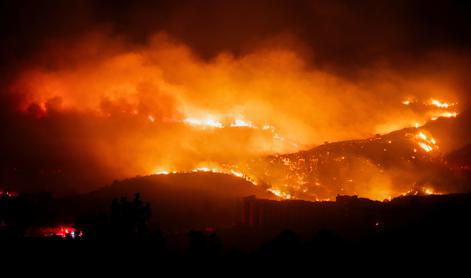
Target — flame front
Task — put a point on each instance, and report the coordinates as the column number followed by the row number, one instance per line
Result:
column 205, row 123
column 427, row 143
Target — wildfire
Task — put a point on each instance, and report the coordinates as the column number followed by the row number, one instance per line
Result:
column 436, row 109
column 427, row 143
column 227, row 171
column 440, row 104
column 164, row 172
column 266, row 97
column 409, row 101
column 444, row 115
column 151, row 118
column 449, row 114
column 212, row 122
column 280, row 193
column 207, row 169
column 204, row 123
column 241, row 123
column 237, row 174
column 421, row 191
column 445, row 109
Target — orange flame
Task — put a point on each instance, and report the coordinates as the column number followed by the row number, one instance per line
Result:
column 227, row 109
column 427, row 143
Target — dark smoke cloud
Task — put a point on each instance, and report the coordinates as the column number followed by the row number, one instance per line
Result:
column 343, row 33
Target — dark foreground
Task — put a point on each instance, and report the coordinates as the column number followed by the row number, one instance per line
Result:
column 405, row 230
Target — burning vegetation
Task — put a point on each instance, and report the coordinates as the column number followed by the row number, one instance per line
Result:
column 405, row 162
column 109, row 110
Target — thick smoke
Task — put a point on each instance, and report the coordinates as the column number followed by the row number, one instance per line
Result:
column 104, row 94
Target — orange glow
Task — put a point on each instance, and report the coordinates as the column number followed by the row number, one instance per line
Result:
column 237, row 174
column 206, row 169
column 205, row 123
column 428, row 191
column 162, row 172
column 231, row 114
column 421, row 191
column 427, row 143
column 440, row 104
column 435, row 109
column 226, row 171
column 241, row 123
column 449, row 115
column 280, row 194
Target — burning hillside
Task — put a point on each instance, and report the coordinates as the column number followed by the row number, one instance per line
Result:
column 81, row 109
column 130, row 113
column 405, row 162
column 379, row 168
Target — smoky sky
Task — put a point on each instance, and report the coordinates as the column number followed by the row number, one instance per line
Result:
column 340, row 39
column 346, row 33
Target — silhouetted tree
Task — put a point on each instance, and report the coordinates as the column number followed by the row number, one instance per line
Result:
column 130, row 219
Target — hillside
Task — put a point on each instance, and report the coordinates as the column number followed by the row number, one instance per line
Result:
column 178, row 201
column 407, row 161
